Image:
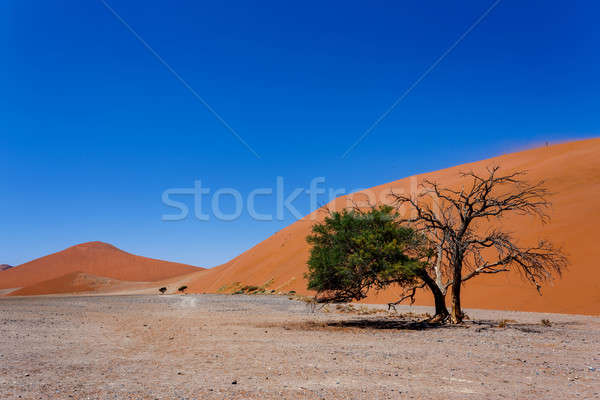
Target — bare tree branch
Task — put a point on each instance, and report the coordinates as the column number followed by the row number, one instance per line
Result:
column 451, row 218
column 411, row 295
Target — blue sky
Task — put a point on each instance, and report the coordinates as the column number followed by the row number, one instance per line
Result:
column 94, row 128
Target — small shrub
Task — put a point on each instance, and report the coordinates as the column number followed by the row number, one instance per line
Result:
column 250, row 289
column 162, row 290
column 182, row 288
column 546, row 322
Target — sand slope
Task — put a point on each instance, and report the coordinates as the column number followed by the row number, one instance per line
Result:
column 93, row 258
column 571, row 171
column 74, row 282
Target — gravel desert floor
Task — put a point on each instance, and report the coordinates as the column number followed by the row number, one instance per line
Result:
column 257, row 347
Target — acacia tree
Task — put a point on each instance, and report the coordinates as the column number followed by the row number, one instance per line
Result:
column 354, row 251
column 460, row 224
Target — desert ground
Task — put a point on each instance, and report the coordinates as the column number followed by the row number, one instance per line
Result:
column 247, row 347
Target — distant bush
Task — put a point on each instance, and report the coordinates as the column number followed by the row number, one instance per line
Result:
column 162, row 290
column 250, row 288
column 182, row 288
column 546, row 322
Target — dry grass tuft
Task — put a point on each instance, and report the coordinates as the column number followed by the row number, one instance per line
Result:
column 360, row 310
column 239, row 288
column 504, row 323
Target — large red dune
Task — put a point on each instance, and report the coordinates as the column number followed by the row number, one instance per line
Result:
column 97, row 259
column 570, row 170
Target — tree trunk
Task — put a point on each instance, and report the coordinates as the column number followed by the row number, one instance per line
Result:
column 438, row 269
column 457, row 314
column 441, row 311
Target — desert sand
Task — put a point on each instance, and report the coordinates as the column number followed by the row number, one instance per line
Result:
column 75, row 282
column 571, row 171
column 87, row 267
column 269, row 347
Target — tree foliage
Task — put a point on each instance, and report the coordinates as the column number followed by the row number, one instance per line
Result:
column 354, row 251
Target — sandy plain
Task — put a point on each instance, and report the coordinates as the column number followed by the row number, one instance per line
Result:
column 251, row 347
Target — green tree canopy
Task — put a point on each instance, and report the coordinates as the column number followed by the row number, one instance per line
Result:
column 355, row 251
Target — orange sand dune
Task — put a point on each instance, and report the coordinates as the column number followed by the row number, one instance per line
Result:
column 572, row 173
column 94, row 258
column 74, row 282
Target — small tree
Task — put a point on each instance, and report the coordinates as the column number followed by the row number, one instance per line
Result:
column 162, row 290
column 355, row 251
column 182, row 288
column 459, row 222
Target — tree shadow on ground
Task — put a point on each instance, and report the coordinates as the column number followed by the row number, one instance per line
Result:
column 411, row 324
column 365, row 324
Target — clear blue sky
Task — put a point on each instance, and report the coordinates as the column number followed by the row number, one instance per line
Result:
column 93, row 128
